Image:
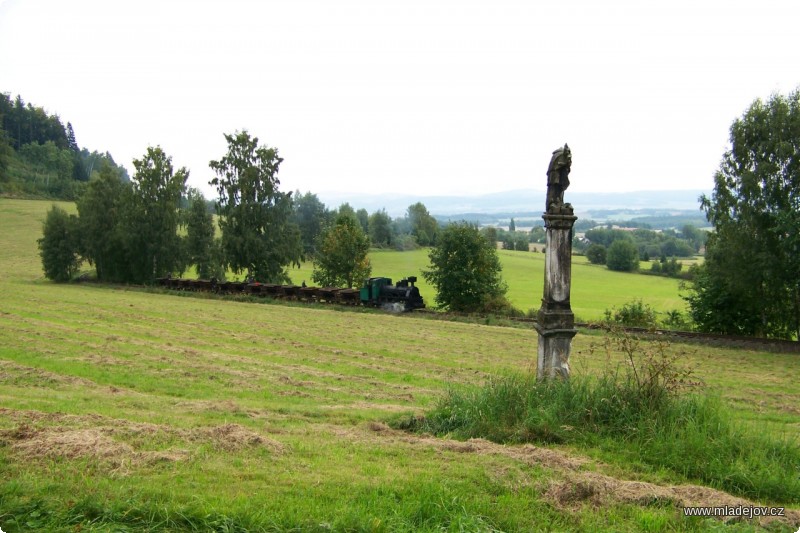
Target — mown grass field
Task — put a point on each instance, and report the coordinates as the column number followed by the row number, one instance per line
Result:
column 125, row 410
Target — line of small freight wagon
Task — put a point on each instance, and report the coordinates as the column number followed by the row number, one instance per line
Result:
column 376, row 292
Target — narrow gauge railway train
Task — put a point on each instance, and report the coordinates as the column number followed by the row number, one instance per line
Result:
column 376, row 292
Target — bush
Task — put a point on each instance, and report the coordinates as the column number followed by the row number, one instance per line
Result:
column 671, row 267
column 500, row 305
column 676, row 320
column 622, row 256
column 633, row 314
column 596, row 254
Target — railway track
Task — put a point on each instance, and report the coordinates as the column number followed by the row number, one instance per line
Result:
column 350, row 297
column 376, row 292
column 712, row 339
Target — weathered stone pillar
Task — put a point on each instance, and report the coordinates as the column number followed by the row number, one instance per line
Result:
column 555, row 320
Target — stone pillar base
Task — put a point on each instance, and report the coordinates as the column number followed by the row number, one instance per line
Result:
column 554, row 350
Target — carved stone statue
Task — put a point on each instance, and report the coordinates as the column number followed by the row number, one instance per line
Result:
column 558, row 181
column 555, row 321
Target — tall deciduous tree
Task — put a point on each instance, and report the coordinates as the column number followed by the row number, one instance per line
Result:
column 465, row 269
column 153, row 231
column 622, row 256
column 200, row 244
column 258, row 236
column 342, row 258
column 423, row 226
column 749, row 283
column 380, row 228
column 311, row 216
column 695, row 236
column 59, row 244
column 363, row 219
column 101, row 211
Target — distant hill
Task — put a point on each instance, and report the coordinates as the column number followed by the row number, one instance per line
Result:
column 529, row 203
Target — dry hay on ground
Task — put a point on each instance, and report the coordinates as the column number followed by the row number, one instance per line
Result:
column 115, row 442
column 233, row 437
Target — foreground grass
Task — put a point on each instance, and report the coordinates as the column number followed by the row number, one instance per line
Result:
column 693, row 435
column 122, row 410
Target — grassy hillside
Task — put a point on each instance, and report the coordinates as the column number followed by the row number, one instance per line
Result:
column 130, row 411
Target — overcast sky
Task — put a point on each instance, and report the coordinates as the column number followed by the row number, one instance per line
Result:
column 427, row 97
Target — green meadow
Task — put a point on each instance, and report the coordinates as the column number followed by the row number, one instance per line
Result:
column 594, row 287
column 124, row 409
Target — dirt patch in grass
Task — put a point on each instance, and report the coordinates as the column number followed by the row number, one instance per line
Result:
column 117, row 442
column 576, row 485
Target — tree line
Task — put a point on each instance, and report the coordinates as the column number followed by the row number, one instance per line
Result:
column 622, row 250
column 149, row 227
column 417, row 228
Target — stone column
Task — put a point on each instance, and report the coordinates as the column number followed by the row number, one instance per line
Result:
column 556, row 322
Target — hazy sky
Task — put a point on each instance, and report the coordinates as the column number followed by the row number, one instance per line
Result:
column 427, row 97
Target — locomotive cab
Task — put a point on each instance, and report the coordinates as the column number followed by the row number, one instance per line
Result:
column 371, row 290
column 380, row 291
